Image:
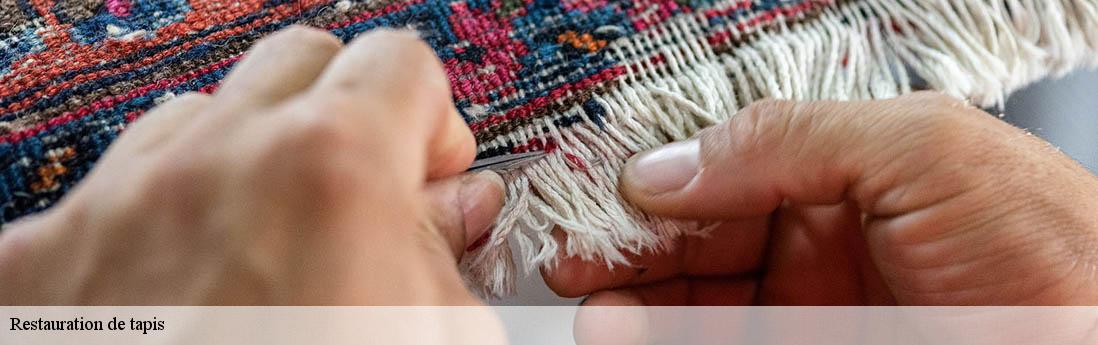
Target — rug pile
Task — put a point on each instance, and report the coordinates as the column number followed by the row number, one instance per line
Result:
column 589, row 81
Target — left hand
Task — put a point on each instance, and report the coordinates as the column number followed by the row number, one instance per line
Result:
column 317, row 174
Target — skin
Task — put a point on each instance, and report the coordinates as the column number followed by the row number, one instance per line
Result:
column 920, row 200
column 322, row 174
column 293, row 184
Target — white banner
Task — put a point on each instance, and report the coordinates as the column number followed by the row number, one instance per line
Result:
column 549, row 325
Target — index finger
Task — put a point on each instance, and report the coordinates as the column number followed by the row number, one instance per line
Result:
column 401, row 95
column 734, row 248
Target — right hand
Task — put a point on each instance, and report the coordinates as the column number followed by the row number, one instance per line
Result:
column 918, row 200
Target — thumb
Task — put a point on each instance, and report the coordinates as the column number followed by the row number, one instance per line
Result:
column 960, row 208
column 462, row 208
column 811, row 153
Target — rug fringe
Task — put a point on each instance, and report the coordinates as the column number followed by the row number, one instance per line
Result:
column 977, row 49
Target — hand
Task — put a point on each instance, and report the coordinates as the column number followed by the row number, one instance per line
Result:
column 316, row 174
column 918, row 200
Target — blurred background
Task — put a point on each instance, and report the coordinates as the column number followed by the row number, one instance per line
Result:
column 1063, row 111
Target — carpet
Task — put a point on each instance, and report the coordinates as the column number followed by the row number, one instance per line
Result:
column 589, row 81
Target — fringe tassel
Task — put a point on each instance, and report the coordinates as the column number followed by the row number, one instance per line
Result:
column 979, row 49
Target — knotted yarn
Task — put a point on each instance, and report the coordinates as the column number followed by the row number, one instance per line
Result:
column 590, row 82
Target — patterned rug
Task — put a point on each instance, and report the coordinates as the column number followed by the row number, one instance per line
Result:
column 590, row 81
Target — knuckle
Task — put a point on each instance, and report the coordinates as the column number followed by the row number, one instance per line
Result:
column 302, row 38
column 425, row 72
column 313, row 129
column 403, row 42
column 760, row 126
column 311, row 151
column 415, row 50
column 307, row 34
column 408, row 68
column 318, row 132
column 770, row 117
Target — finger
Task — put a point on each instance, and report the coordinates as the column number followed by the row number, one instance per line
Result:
column 464, row 207
column 277, row 67
column 402, row 96
column 818, row 256
column 733, row 248
column 614, row 325
column 636, row 324
column 622, row 316
column 596, row 324
column 808, row 152
column 158, row 125
column 717, row 291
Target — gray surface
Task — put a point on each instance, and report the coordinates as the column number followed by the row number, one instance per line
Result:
column 1063, row 111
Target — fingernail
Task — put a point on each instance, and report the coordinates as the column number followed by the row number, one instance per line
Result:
column 481, row 199
column 665, row 169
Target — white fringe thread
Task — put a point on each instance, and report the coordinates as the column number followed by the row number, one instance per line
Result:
column 976, row 49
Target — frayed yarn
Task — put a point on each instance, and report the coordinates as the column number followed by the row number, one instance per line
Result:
column 692, row 71
column 590, row 82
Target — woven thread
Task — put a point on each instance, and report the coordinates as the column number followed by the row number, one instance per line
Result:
column 590, row 81
column 695, row 70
